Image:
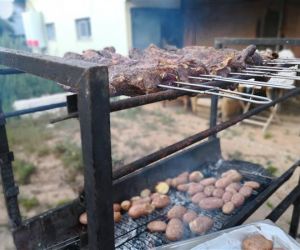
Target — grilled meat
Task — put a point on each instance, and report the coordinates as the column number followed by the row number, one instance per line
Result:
column 143, row 70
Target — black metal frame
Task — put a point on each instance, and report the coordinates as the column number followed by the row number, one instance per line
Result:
column 94, row 109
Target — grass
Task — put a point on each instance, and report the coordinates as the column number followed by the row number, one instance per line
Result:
column 271, row 168
column 268, row 135
column 269, row 205
column 29, row 203
column 236, row 155
column 130, row 114
column 62, row 202
column 70, row 154
column 23, row 170
column 28, row 133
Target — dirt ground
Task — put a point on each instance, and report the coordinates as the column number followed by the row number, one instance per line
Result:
column 140, row 131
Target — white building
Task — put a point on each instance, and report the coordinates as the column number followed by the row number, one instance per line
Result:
column 77, row 25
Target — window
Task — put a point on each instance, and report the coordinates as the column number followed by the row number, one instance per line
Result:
column 83, row 28
column 50, row 28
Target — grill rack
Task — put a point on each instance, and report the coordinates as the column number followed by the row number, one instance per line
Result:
column 94, row 121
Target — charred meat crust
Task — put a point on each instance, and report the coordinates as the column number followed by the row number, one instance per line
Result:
column 142, row 71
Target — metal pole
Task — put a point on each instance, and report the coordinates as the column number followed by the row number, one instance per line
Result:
column 94, row 118
column 10, row 189
column 295, row 216
column 155, row 156
column 213, row 114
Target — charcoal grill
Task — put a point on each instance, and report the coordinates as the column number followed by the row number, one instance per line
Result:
column 59, row 228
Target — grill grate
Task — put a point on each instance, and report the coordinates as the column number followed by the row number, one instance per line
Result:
column 133, row 234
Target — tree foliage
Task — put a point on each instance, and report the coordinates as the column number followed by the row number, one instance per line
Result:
column 23, row 86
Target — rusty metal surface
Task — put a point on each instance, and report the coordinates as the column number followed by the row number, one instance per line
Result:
column 94, row 119
column 66, row 72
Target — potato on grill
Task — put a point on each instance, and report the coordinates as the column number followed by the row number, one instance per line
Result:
column 174, row 229
column 139, row 210
column 176, row 211
column 125, row 205
column 195, row 176
column 162, row 188
column 252, row 184
column 157, row 226
column 201, row 224
column 160, row 201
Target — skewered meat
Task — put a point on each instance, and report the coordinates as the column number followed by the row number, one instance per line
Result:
column 143, row 70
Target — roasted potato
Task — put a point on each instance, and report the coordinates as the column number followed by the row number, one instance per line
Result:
column 139, row 210
column 157, row 226
column 189, row 216
column 176, row 211
column 160, row 201
column 195, row 188
column 211, row 203
column 246, row 191
column 208, row 181
column 252, row 184
column 117, row 207
column 228, row 208
column 201, row 224
column 145, row 193
column 125, row 205
column 238, row 199
column 162, row 188
column 174, row 229
column 195, row 176
column 117, row 216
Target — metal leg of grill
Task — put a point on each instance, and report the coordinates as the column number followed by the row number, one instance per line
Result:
column 295, row 217
column 94, row 117
column 10, row 189
column 213, row 113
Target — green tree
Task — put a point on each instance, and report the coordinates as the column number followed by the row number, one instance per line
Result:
column 23, row 86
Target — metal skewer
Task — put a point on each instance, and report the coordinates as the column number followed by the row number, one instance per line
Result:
column 273, row 70
column 266, row 75
column 242, row 81
column 220, row 92
column 288, row 63
column 272, row 67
